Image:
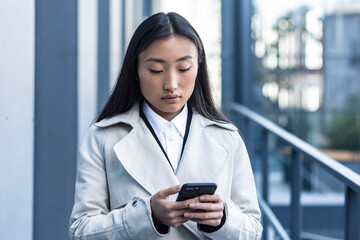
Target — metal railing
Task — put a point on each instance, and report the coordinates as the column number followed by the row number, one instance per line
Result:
column 300, row 149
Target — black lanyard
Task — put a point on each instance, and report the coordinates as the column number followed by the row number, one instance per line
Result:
column 188, row 121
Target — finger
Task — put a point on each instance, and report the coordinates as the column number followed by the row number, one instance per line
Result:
column 175, row 218
column 217, row 207
column 185, row 204
column 203, row 215
column 211, row 198
column 211, row 222
column 182, row 206
column 178, row 213
column 165, row 193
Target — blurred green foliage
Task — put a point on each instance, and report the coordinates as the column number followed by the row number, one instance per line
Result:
column 343, row 131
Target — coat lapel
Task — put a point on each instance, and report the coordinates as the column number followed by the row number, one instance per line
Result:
column 203, row 154
column 203, row 157
column 143, row 159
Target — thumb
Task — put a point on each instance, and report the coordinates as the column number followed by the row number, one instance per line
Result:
column 165, row 193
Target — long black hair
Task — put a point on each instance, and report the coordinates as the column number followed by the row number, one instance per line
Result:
column 127, row 89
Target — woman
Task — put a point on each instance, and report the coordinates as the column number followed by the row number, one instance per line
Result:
column 158, row 130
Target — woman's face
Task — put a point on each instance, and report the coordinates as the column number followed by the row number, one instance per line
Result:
column 167, row 71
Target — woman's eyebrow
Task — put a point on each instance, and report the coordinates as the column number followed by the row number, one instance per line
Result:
column 156, row 60
column 159, row 60
column 184, row 58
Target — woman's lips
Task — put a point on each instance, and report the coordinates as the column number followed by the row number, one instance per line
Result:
column 172, row 98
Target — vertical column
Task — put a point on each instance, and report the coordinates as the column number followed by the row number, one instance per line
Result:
column 103, row 52
column 147, row 8
column 265, row 165
column 228, row 56
column 123, row 29
column 17, row 29
column 352, row 214
column 55, row 116
column 87, row 64
column 296, row 210
column 236, row 51
column 133, row 17
column 115, row 54
column 265, row 175
column 245, row 57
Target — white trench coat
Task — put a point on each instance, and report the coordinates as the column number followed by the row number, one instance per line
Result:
column 121, row 166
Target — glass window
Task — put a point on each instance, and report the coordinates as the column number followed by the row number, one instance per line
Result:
column 307, row 80
column 307, row 58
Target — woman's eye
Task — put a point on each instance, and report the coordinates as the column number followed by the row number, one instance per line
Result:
column 155, row 71
column 184, row 69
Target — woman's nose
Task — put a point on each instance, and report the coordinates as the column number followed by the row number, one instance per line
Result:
column 171, row 82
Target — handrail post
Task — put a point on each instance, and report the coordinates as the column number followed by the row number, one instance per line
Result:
column 296, row 213
column 248, row 136
column 352, row 214
column 265, row 166
column 265, row 175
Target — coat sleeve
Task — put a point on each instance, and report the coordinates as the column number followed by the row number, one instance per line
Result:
column 242, row 208
column 91, row 217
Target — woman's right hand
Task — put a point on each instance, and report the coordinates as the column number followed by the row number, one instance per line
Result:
column 168, row 212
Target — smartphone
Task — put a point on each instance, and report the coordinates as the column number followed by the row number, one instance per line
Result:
column 192, row 190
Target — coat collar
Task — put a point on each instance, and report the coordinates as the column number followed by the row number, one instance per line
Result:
column 139, row 149
column 132, row 116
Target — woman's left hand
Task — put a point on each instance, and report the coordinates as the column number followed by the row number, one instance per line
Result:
column 208, row 211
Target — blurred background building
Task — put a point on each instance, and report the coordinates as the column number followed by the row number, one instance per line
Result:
column 296, row 63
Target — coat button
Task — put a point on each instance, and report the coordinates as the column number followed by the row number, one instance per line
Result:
column 134, row 203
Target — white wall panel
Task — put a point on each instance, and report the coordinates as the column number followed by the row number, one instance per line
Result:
column 87, row 64
column 115, row 40
column 133, row 18
column 16, row 118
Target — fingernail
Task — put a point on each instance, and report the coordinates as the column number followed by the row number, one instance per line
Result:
column 192, row 205
column 202, row 198
column 187, row 215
